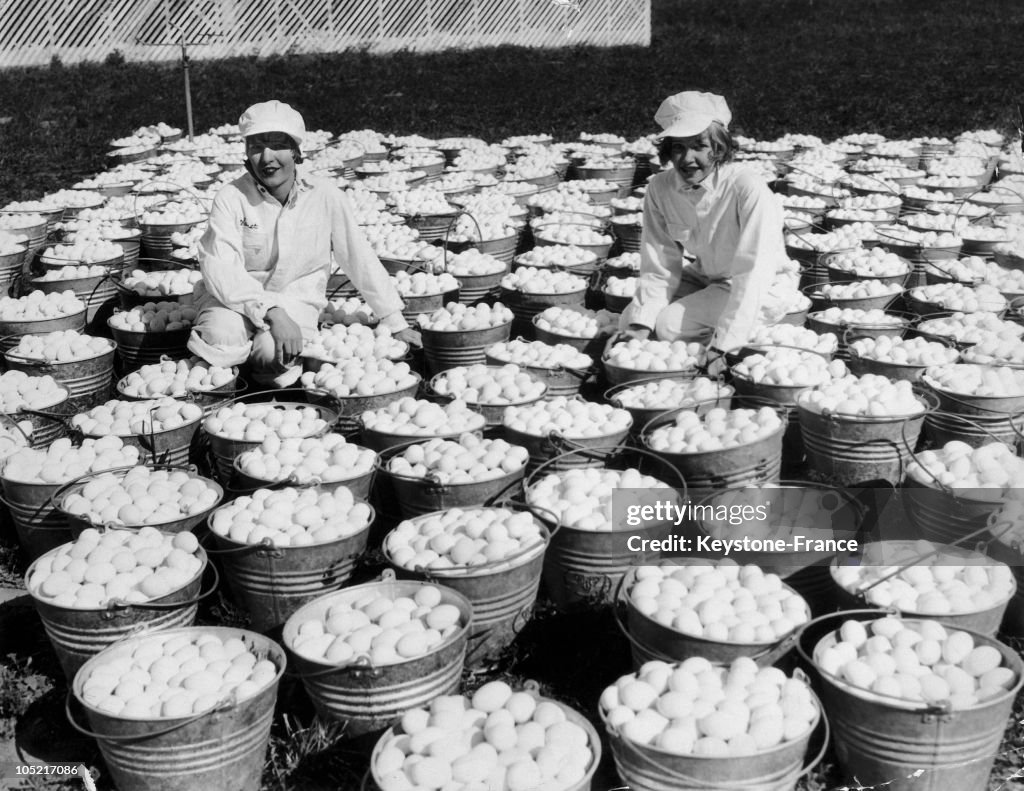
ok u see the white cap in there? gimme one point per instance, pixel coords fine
(273, 116)
(689, 113)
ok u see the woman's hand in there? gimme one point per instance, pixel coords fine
(287, 336)
(410, 336)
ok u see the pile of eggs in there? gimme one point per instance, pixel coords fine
(419, 284)
(715, 430)
(996, 350)
(165, 283)
(115, 565)
(457, 317)
(488, 384)
(556, 255)
(61, 346)
(125, 418)
(85, 252)
(496, 739)
(531, 280)
(915, 661)
(71, 273)
(576, 322)
(306, 460)
(858, 289)
(37, 306)
(942, 581)
(958, 297)
(537, 354)
(670, 393)
(696, 708)
(413, 417)
(788, 367)
(977, 380)
(655, 355)
(459, 537)
(341, 342)
(369, 623)
(971, 327)
(62, 462)
(254, 422)
(19, 391)
(989, 471)
(350, 310)
(581, 499)
(468, 459)
(292, 517)
(154, 317)
(175, 675)
(870, 395)
(722, 601)
(472, 262)
(873, 317)
(569, 417)
(140, 496)
(175, 378)
(910, 351)
(361, 376)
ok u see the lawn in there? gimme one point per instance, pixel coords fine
(823, 67)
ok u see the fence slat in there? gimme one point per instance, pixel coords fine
(32, 32)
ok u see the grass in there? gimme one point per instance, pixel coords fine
(824, 67)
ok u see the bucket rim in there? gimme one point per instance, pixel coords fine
(781, 410)
(363, 663)
(481, 404)
(118, 605)
(315, 481)
(831, 416)
(263, 644)
(42, 363)
(1009, 656)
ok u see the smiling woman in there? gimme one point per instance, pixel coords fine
(723, 216)
(267, 253)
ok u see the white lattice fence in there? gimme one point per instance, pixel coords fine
(32, 32)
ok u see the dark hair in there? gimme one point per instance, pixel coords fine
(723, 145)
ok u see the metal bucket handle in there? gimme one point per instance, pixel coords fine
(223, 705)
(448, 231)
(12, 425)
(845, 179)
(995, 523)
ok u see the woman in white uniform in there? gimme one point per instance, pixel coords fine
(266, 256)
(723, 216)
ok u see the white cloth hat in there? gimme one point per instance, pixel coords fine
(689, 113)
(273, 116)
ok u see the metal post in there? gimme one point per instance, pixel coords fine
(188, 87)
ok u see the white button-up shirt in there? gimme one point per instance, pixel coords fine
(257, 254)
(732, 223)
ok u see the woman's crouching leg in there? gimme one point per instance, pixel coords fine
(221, 336)
(694, 317)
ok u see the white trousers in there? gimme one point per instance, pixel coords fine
(692, 317)
(224, 337)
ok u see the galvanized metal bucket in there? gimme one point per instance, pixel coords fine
(272, 582)
(502, 594)
(222, 748)
(369, 698)
(79, 634)
(644, 415)
(11, 331)
(525, 305)
(450, 349)
(879, 739)
(39, 525)
(137, 349)
(46, 426)
(561, 381)
(977, 430)
(351, 407)
(853, 449)
(650, 640)
(755, 462)
(985, 621)
(584, 567)
(88, 381)
(648, 768)
(417, 496)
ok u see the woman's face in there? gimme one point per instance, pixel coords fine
(693, 157)
(271, 156)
